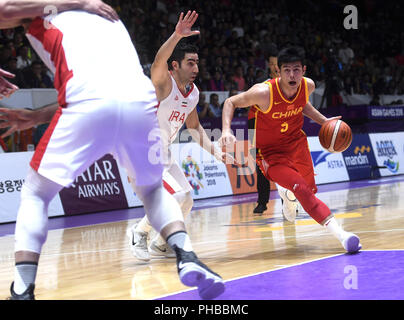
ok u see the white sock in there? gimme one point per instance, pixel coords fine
(181, 240)
(333, 226)
(24, 275)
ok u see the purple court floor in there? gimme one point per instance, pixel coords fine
(368, 275)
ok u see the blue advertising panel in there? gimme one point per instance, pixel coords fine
(360, 159)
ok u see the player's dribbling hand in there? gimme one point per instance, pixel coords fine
(333, 118)
(184, 24)
(100, 8)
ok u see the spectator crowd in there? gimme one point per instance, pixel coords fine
(237, 37)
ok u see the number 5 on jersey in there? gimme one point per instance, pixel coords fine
(284, 127)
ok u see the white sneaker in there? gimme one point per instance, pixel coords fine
(289, 204)
(163, 250)
(138, 243)
(351, 242)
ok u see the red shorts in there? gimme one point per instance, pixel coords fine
(295, 156)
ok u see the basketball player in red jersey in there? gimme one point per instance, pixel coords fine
(290, 204)
(289, 201)
(283, 153)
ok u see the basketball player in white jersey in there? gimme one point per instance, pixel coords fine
(86, 51)
(173, 72)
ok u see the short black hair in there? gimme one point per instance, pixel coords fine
(273, 53)
(180, 50)
(291, 54)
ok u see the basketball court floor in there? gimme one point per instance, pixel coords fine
(259, 257)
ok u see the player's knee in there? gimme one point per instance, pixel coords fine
(32, 222)
(30, 238)
(304, 194)
(302, 190)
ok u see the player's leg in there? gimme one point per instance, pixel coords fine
(263, 189)
(300, 159)
(138, 150)
(290, 179)
(290, 205)
(288, 199)
(139, 232)
(177, 184)
(304, 165)
(75, 138)
(31, 232)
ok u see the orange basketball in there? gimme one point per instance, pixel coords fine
(335, 135)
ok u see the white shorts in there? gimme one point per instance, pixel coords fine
(85, 131)
(174, 179)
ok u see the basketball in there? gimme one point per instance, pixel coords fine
(335, 135)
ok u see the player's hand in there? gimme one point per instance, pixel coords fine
(333, 118)
(227, 140)
(184, 24)
(100, 8)
(6, 87)
(224, 157)
(16, 120)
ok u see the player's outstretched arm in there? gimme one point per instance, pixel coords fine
(23, 119)
(159, 69)
(14, 10)
(257, 95)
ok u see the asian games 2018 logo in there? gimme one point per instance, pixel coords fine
(193, 174)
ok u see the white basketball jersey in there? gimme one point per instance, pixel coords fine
(91, 57)
(174, 110)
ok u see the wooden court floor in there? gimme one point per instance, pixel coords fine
(94, 262)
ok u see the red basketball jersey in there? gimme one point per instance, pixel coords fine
(282, 123)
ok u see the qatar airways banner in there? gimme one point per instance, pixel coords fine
(99, 188)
